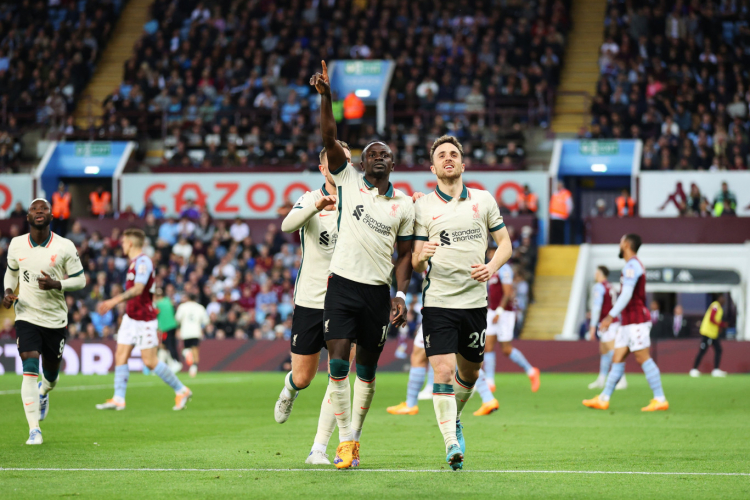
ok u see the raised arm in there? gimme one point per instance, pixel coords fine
(334, 151)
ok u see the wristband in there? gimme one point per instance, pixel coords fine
(401, 295)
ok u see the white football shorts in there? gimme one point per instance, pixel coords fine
(419, 339)
(610, 334)
(635, 337)
(138, 333)
(504, 327)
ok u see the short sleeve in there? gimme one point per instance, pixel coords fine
(73, 266)
(494, 219)
(420, 225)
(506, 275)
(143, 269)
(12, 258)
(343, 174)
(406, 227)
(598, 293)
(630, 273)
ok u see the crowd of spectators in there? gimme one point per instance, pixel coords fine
(230, 78)
(674, 74)
(48, 50)
(245, 280)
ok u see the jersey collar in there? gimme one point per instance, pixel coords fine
(323, 190)
(45, 243)
(388, 194)
(464, 194)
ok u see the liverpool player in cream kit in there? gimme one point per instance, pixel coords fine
(314, 215)
(138, 326)
(451, 232)
(41, 259)
(372, 217)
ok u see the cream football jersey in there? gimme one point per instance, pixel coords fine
(369, 225)
(461, 226)
(192, 318)
(57, 257)
(318, 238)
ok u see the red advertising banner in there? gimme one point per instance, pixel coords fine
(673, 356)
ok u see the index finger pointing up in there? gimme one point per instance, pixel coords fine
(325, 71)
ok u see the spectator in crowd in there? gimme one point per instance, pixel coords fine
(98, 202)
(725, 202)
(239, 230)
(19, 212)
(61, 201)
(560, 210)
(600, 209)
(625, 204)
(528, 202)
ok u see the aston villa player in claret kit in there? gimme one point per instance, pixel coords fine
(372, 217)
(138, 326)
(451, 231)
(37, 265)
(634, 332)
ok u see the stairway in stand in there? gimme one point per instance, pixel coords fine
(555, 268)
(109, 71)
(580, 72)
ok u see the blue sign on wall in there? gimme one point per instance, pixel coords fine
(597, 157)
(368, 79)
(97, 159)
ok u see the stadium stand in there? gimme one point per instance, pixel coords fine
(227, 85)
(673, 74)
(47, 56)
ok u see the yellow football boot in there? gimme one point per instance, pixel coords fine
(402, 409)
(655, 405)
(596, 403)
(345, 454)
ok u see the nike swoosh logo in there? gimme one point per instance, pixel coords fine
(438, 216)
(27, 404)
(326, 215)
(337, 414)
(441, 423)
(362, 190)
(464, 400)
(363, 408)
(19, 260)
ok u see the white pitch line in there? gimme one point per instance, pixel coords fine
(637, 473)
(135, 384)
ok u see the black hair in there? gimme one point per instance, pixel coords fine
(604, 271)
(634, 240)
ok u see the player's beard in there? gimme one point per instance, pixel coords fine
(449, 177)
(621, 255)
(43, 225)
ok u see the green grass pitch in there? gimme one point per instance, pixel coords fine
(229, 425)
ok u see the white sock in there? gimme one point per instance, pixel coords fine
(30, 398)
(47, 385)
(289, 390)
(340, 392)
(463, 394)
(326, 423)
(445, 411)
(363, 394)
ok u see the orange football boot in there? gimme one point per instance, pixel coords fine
(596, 403)
(402, 409)
(534, 377)
(655, 405)
(487, 408)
